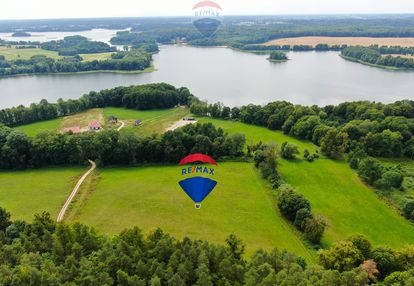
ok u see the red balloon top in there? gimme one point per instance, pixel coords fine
(197, 158)
(207, 3)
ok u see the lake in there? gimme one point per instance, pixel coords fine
(232, 77)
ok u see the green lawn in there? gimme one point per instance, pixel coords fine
(335, 192)
(150, 197)
(153, 121)
(25, 193)
(35, 128)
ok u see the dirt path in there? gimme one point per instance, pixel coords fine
(122, 125)
(180, 123)
(75, 190)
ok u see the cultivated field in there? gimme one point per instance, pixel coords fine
(25, 54)
(150, 197)
(25, 193)
(335, 192)
(350, 41)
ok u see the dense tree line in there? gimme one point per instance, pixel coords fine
(134, 60)
(149, 96)
(17, 150)
(45, 253)
(74, 45)
(380, 130)
(372, 55)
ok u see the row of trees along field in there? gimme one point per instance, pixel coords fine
(17, 150)
(45, 253)
(148, 96)
(126, 61)
(373, 55)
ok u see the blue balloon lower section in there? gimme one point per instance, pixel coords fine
(197, 188)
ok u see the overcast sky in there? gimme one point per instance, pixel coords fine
(33, 9)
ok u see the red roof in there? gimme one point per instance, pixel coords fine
(197, 158)
(94, 124)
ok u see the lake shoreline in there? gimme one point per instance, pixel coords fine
(374, 65)
(149, 69)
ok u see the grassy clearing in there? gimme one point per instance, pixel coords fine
(335, 192)
(150, 197)
(25, 193)
(349, 207)
(82, 119)
(38, 127)
(153, 121)
(25, 54)
(351, 41)
(255, 134)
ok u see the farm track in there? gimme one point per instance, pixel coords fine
(74, 192)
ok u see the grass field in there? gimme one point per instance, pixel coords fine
(25, 54)
(153, 121)
(35, 128)
(150, 197)
(351, 41)
(255, 134)
(25, 193)
(335, 192)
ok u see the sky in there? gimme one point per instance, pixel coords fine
(44, 9)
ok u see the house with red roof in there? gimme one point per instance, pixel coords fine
(94, 125)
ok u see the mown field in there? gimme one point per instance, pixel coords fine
(150, 197)
(25, 54)
(335, 192)
(153, 121)
(25, 193)
(350, 41)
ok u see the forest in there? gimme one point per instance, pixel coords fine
(75, 45)
(134, 60)
(374, 55)
(45, 253)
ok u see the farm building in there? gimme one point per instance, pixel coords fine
(137, 122)
(94, 125)
(112, 119)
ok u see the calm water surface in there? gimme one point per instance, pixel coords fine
(232, 77)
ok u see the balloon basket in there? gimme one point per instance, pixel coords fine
(197, 206)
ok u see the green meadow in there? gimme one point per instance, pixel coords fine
(33, 129)
(150, 197)
(335, 191)
(25, 193)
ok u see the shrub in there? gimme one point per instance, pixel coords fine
(291, 202)
(289, 151)
(301, 216)
(313, 229)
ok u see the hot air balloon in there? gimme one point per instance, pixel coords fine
(207, 17)
(197, 188)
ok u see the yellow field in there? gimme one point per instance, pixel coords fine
(25, 54)
(350, 41)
